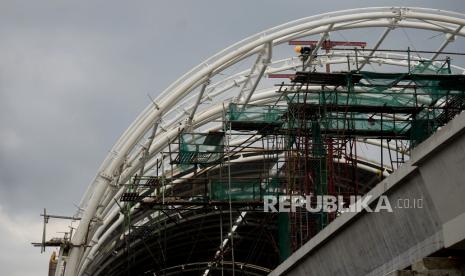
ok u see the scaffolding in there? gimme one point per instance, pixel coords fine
(306, 143)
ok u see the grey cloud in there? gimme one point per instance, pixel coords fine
(73, 76)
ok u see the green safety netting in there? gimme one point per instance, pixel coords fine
(338, 125)
(258, 114)
(425, 77)
(238, 112)
(201, 148)
(350, 98)
(243, 189)
(411, 98)
(426, 84)
(421, 129)
(430, 87)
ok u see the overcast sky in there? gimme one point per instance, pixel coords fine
(73, 76)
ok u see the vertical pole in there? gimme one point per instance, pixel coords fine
(230, 203)
(221, 241)
(381, 147)
(354, 164)
(326, 46)
(283, 233)
(408, 59)
(448, 65)
(163, 179)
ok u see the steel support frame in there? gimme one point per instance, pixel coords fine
(181, 88)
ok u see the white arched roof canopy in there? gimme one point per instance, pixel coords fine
(195, 98)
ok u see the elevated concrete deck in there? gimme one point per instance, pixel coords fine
(382, 243)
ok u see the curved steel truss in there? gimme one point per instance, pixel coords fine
(197, 99)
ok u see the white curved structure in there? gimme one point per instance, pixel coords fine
(196, 100)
